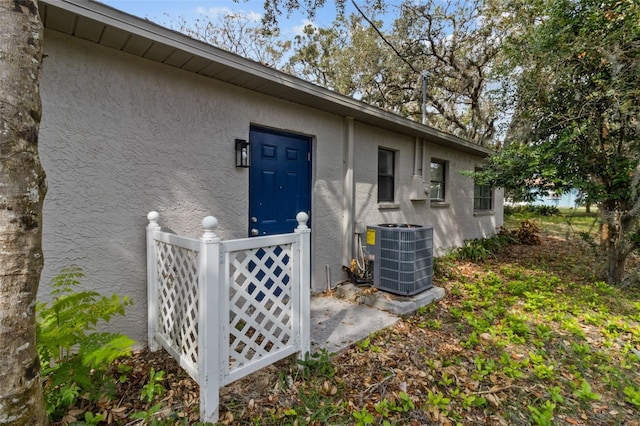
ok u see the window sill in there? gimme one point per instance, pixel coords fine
(439, 204)
(484, 213)
(388, 206)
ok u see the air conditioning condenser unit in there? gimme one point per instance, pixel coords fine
(402, 257)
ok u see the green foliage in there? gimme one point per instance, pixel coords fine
(474, 251)
(540, 368)
(534, 209)
(444, 267)
(353, 57)
(150, 392)
(511, 344)
(154, 386)
(512, 368)
(148, 416)
(576, 66)
(432, 323)
(339, 57)
(585, 393)
(483, 367)
(543, 415)
(363, 417)
(555, 393)
(93, 419)
(74, 356)
(633, 395)
(365, 345)
(402, 404)
(479, 250)
(406, 403)
(318, 364)
(438, 400)
(469, 401)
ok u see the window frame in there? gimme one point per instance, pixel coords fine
(482, 194)
(386, 178)
(442, 183)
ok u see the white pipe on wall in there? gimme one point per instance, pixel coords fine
(348, 197)
(417, 180)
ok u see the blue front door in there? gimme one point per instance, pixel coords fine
(279, 181)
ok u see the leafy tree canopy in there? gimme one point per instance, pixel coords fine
(454, 43)
(576, 123)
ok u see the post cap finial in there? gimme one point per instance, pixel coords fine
(210, 223)
(302, 219)
(153, 216)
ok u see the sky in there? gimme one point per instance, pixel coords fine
(164, 11)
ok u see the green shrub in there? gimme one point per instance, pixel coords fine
(481, 249)
(547, 210)
(74, 357)
(474, 251)
(537, 210)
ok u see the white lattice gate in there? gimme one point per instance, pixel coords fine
(225, 309)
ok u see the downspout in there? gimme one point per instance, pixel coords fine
(418, 189)
(417, 180)
(348, 193)
(417, 157)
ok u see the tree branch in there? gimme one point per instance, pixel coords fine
(384, 39)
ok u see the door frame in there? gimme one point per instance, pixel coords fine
(310, 169)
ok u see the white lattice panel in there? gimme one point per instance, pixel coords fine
(178, 299)
(251, 311)
(260, 303)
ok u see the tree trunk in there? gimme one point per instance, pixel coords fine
(22, 190)
(615, 227)
(615, 264)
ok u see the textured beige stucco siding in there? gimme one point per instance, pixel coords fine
(122, 136)
(454, 220)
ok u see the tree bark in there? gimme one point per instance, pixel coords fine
(615, 229)
(22, 190)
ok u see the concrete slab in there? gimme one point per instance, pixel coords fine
(337, 323)
(397, 305)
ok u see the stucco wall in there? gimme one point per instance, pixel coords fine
(122, 136)
(454, 220)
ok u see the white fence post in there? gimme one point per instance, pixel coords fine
(305, 283)
(212, 368)
(152, 282)
(209, 304)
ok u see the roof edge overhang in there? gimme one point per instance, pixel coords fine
(66, 16)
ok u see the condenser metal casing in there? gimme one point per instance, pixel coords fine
(402, 257)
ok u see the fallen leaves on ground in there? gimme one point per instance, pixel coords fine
(429, 368)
